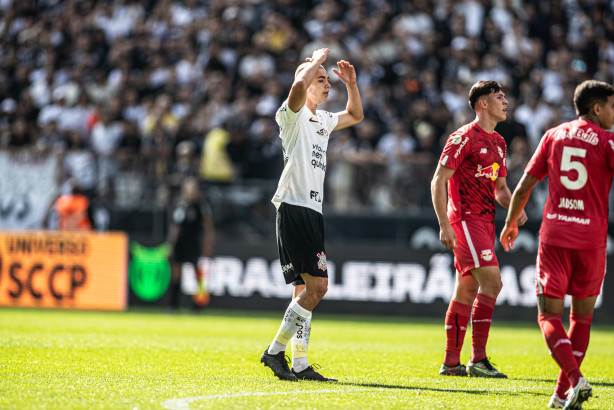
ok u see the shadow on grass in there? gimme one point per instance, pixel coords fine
(553, 381)
(531, 379)
(481, 392)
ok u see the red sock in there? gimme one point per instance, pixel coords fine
(457, 318)
(579, 334)
(481, 317)
(559, 345)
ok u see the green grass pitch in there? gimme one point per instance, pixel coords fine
(152, 360)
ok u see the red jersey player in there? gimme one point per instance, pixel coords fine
(473, 164)
(578, 158)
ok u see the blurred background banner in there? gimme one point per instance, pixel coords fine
(63, 270)
(366, 278)
(27, 187)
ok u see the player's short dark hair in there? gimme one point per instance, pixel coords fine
(589, 93)
(482, 88)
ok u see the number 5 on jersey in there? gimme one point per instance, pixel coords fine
(568, 164)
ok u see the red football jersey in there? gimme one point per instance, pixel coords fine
(578, 157)
(478, 159)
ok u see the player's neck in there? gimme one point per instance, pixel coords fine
(486, 123)
(592, 118)
(311, 106)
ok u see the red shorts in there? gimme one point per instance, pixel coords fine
(564, 271)
(476, 245)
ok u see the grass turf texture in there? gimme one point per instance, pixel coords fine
(150, 360)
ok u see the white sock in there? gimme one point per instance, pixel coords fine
(294, 318)
(300, 344)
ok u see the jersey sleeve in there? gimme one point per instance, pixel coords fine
(456, 149)
(610, 151)
(538, 165)
(332, 119)
(503, 145)
(287, 120)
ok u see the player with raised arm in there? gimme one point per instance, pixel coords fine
(473, 165)
(304, 131)
(578, 158)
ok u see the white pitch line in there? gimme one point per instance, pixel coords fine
(184, 403)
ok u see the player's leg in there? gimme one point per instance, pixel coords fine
(175, 286)
(457, 318)
(489, 279)
(314, 290)
(275, 355)
(580, 320)
(549, 319)
(300, 341)
(578, 273)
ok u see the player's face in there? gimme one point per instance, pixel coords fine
(497, 106)
(606, 114)
(319, 88)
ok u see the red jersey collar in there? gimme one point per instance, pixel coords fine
(475, 123)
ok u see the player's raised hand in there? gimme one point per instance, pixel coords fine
(346, 72)
(447, 236)
(509, 235)
(319, 55)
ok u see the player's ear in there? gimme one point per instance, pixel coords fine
(596, 109)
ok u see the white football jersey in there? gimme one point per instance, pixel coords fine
(304, 138)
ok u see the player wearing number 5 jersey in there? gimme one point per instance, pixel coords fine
(578, 158)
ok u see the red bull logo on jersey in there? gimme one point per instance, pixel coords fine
(487, 255)
(491, 171)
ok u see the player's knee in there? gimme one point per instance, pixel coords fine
(493, 287)
(320, 289)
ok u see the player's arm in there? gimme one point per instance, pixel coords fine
(503, 196)
(439, 194)
(209, 232)
(171, 239)
(353, 113)
(298, 92)
(516, 209)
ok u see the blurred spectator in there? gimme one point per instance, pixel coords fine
(184, 71)
(265, 156)
(106, 138)
(534, 114)
(73, 211)
(341, 171)
(216, 165)
(78, 165)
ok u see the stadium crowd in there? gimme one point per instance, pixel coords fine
(152, 91)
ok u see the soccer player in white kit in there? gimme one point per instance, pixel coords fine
(304, 132)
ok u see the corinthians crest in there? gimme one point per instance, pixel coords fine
(322, 261)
